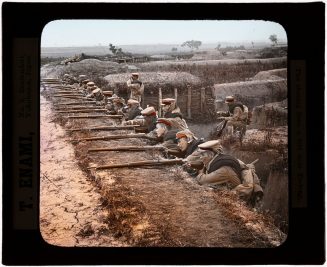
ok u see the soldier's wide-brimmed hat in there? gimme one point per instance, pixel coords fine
(90, 84)
(195, 159)
(167, 101)
(96, 90)
(108, 93)
(164, 121)
(149, 111)
(135, 74)
(214, 145)
(86, 81)
(82, 76)
(66, 75)
(184, 134)
(132, 101)
(118, 100)
(229, 99)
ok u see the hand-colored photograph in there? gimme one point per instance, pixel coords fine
(164, 133)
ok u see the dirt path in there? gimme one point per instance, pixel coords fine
(70, 210)
(130, 206)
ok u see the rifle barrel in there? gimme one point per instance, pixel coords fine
(75, 103)
(105, 128)
(83, 110)
(114, 137)
(95, 117)
(149, 163)
(127, 148)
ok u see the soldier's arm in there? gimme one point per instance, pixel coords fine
(219, 176)
(222, 113)
(140, 122)
(237, 114)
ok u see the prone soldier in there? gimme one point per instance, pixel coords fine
(223, 169)
(132, 109)
(170, 108)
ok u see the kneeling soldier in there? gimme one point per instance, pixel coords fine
(236, 117)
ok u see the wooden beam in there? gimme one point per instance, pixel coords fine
(189, 101)
(203, 98)
(159, 103)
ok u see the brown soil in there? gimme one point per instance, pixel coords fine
(133, 206)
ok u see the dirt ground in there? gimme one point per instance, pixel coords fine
(133, 206)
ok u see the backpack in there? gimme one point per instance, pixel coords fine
(249, 119)
(245, 114)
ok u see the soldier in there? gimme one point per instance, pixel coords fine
(107, 94)
(90, 86)
(147, 120)
(220, 168)
(235, 118)
(83, 87)
(117, 106)
(97, 94)
(69, 79)
(136, 87)
(187, 142)
(81, 78)
(132, 109)
(170, 109)
(165, 132)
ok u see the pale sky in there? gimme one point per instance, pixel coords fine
(63, 33)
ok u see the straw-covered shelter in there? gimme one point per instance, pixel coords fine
(253, 93)
(183, 86)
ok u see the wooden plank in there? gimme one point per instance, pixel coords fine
(175, 94)
(189, 101)
(159, 102)
(203, 98)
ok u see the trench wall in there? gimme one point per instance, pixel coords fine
(219, 71)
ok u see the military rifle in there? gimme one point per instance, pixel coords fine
(105, 128)
(127, 148)
(145, 163)
(114, 137)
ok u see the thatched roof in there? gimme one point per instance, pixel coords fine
(253, 93)
(156, 78)
(92, 63)
(214, 62)
(271, 74)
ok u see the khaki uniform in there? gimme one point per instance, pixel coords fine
(250, 187)
(147, 119)
(137, 89)
(224, 175)
(96, 94)
(221, 169)
(236, 119)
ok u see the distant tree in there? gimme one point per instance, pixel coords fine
(252, 44)
(273, 39)
(174, 49)
(218, 47)
(192, 44)
(115, 50)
